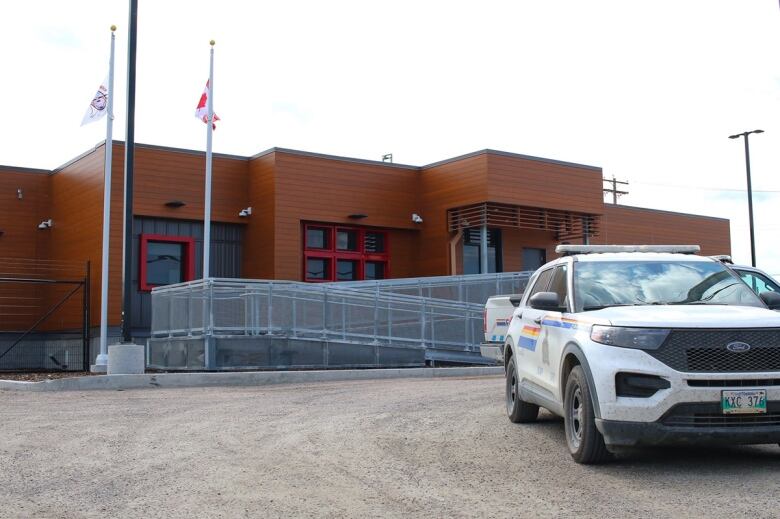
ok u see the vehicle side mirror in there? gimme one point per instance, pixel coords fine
(771, 299)
(545, 301)
(516, 299)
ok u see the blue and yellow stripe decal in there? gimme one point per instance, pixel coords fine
(562, 322)
(528, 337)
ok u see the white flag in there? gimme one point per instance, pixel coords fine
(99, 105)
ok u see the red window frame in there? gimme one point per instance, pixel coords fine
(189, 257)
(334, 255)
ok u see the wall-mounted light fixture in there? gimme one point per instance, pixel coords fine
(416, 218)
(245, 212)
(19, 193)
(175, 204)
(387, 157)
(45, 224)
(357, 216)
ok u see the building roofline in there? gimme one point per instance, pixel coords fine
(33, 171)
(313, 155)
(185, 151)
(663, 211)
(79, 157)
(332, 157)
(487, 151)
(150, 147)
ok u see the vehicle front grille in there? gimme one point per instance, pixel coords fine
(705, 350)
(753, 382)
(710, 415)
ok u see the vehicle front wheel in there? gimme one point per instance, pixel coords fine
(518, 410)
(585, 442)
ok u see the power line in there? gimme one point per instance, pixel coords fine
(703, 188)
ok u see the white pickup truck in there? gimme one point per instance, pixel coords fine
(640, 345)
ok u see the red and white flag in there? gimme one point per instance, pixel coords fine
(202, 111)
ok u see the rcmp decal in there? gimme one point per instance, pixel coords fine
(529, 336)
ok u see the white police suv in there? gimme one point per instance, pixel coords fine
(644, 345)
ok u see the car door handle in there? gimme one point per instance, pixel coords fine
(538, 320)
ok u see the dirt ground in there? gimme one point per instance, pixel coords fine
(389, 448)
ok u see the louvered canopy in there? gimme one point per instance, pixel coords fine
(565, 224)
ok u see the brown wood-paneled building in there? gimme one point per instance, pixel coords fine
(320, 218)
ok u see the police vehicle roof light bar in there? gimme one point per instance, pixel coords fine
(568, 250)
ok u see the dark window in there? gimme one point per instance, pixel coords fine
(470, 259)
(165, 260)
(347, 240)
(317, 238)
(375, 242)
(318, 268)
(164, 263)
(374, 270)
(346, 270)
(533, 258)
(471, 251)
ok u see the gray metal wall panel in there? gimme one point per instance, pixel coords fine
(226, 245)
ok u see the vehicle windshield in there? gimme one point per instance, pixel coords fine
(600, 284)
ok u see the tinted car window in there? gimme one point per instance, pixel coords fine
(541, 283)
(558, 285)
(758, 283)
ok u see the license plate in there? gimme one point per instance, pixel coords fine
(743, 402)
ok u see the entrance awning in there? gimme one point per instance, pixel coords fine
(565, 224)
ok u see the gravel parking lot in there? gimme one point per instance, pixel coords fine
(391, 448)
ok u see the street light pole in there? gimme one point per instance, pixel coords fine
(749, 191)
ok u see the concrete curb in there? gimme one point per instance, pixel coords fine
(247, 378)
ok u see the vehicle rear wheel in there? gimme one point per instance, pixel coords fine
(518, 410)
(585, 442)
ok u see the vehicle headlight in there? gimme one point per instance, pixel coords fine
(638, 338)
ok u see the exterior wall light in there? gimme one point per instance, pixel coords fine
(245, 212)
(45, 224)
(416, 218)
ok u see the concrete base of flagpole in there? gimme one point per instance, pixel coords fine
(100, 365)
(126, 359)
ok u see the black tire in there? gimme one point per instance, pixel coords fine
(585, 442)
(518, 410)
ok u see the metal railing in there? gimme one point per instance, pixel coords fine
(439, 315)
(471, 288)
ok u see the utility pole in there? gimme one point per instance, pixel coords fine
(614, 189)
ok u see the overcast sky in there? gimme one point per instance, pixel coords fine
(647, 90)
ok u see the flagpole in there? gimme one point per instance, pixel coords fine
(209, 131)
(101, 362)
